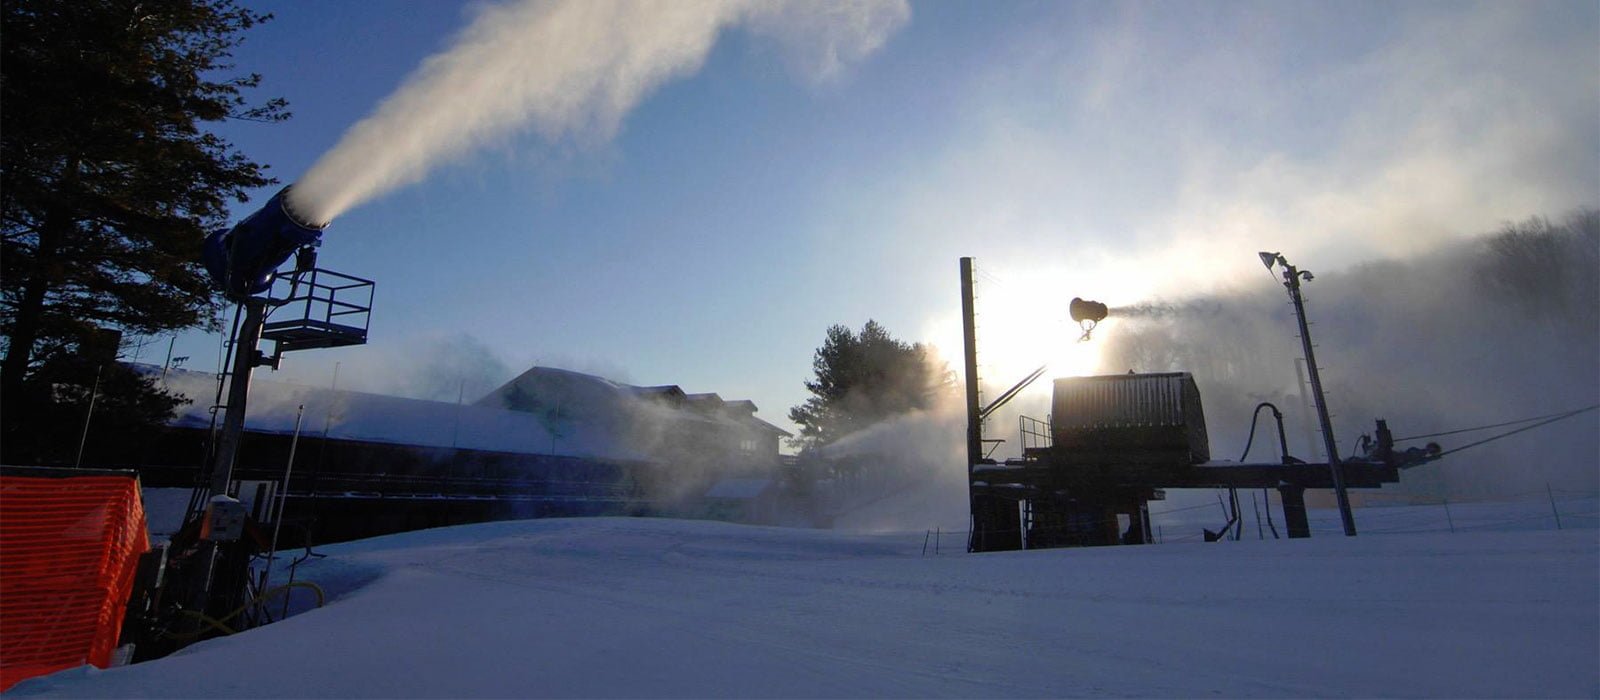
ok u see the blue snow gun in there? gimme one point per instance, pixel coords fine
(243, 260)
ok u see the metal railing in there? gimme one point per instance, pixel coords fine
(319, 308)
(1033, 433)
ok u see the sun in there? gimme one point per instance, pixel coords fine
(1023, 323)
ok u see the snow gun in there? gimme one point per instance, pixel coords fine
(208, 578)
(243, 260)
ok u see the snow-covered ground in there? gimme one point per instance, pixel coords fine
(655, 607)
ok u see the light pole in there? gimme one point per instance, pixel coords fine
(1291, 282)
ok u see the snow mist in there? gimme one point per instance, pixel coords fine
(567, 69)
(1483, 330)
(909, 473)
(1476, 332)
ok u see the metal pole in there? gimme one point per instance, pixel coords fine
(1553, 510)
(93, 395)
(283, 500)
(1306, 409)
(1238, 515)
(969, 341)
(969, 336)
(165, 366)
(244, 361)
(1291, 279)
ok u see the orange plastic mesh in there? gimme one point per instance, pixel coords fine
(69, 548)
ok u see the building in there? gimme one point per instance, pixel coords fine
(550, 442)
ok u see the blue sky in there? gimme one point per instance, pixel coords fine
(1114, 151)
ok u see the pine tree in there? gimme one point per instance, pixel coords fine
(108, 180)
(862, 379)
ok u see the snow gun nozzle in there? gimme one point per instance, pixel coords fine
(1083, 310)
(243, 260)
(1088, 314)
(286, 202)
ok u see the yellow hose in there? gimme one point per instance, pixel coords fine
(222, 624)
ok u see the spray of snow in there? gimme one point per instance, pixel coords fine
(1477, 331)
(905, 473)
(569, 69)
(1472, 333)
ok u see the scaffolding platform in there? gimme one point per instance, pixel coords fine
(318, 308)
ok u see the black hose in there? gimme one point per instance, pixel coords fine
(1283, 452)
(1255, 417)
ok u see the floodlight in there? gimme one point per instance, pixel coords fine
(1269, 259)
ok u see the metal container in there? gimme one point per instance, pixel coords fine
(1131, 418)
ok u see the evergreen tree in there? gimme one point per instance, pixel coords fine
(108, 182)
(862, 379)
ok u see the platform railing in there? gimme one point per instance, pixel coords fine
(1033, 433)
(319, 308)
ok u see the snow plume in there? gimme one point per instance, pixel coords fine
(567, 69)
(688, 466)
(1158, 310)
(1475, 332)
(906, 473)
(431, 366)
(457, 367)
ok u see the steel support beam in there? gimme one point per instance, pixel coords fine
(245, 359)
(1294, 511)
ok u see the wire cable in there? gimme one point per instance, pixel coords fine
(1518, 430)
(1562, 414)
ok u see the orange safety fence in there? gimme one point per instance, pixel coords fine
(69, 549)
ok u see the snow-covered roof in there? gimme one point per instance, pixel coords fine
(352, 415)
(705, 400)
(567, 393)
(543, 411)
(670, 393)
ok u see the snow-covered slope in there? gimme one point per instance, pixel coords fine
(652, 607)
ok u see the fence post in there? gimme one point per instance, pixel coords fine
(1448, 518)
(925, 535)
(936, 534)
(1553, 510)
